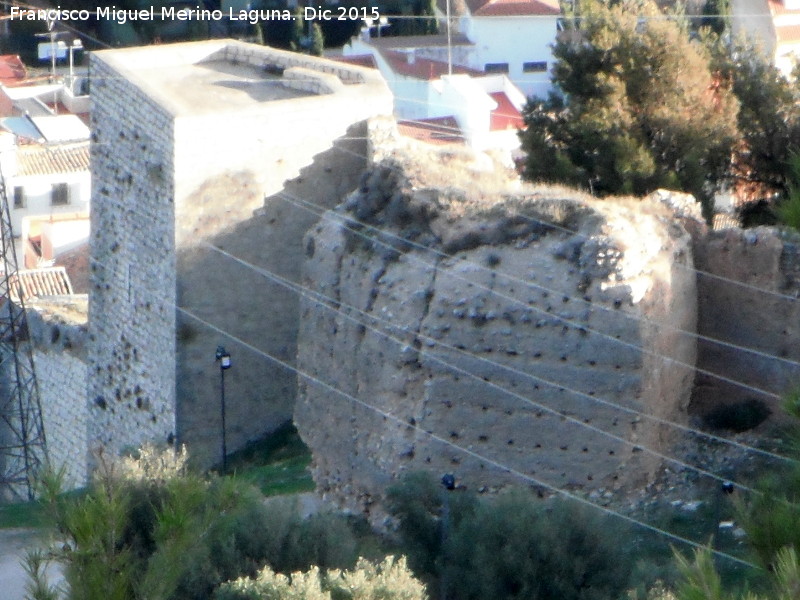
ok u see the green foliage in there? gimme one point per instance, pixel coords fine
(325, 540)
(791, 402)
(644, 108)
(788, 209)
(417, 504)
(715, 15)
(389, 580)
(771, 519)
(424, 25)
(511, 547)
(277, 464)
(768, 116)
(317, 43)
(517, 547)
(148, 529)
(701, 580)
(38, 587)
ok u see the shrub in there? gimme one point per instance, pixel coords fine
(389, 580)
(518, 547)
(417, 505)
(512, 546)
(148, 529)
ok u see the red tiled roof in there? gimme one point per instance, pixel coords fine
(360, 60)
(12, 71)
(512, 8)
(50, 281)
(788, 33)
(35, 159)
(422, 68)
(420, 41)
(501, 8)
(777, 8)
(442, 130)
(506, 115)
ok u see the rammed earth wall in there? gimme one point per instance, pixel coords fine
(516, 348)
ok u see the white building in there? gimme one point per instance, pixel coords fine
(43, 180)
(774, 25)
(486, 108)
(510, 37)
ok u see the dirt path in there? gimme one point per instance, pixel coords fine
(13, 545)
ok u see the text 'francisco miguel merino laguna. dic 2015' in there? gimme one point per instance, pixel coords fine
(252, 16)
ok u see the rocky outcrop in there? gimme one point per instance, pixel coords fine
(480, 332)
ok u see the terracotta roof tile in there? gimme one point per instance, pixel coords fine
(51, 281)
(442, 130)
(360, 60)
(422, 68)
(38, 159)
(12, 70)
(788, 33)
(725, 221)
(420, 41)
(777, 8)
(501, 8)
(506, 115)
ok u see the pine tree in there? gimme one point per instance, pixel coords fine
(317, 40)
(642, 108)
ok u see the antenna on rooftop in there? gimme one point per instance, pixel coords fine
(23, 450)
(449, 42)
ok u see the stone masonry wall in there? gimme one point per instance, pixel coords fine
(168, 180)
(58, 338)
(132, 295)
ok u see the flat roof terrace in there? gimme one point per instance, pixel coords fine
(218, 76)
(218, 84)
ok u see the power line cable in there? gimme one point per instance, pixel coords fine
(326, 302)
(680, 265)
(467, 451)
(644, 319)
(347, 221)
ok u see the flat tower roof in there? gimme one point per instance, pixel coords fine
(217, 76)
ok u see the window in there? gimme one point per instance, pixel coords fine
(496, 68)
(60, 195)
(19, 197)
(534, 67)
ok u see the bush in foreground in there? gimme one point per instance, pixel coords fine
(513, 546)
(389, 580)
(148, 529)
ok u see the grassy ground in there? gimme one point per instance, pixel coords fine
(277, 464)
(22, 514)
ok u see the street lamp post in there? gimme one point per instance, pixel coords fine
(449, 483)
(224, 360)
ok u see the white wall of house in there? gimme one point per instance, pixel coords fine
(62, 236)
(38, 196)
(515, 41)
(411, 95)
(469, 104)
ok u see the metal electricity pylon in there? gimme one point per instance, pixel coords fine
(23, 450)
